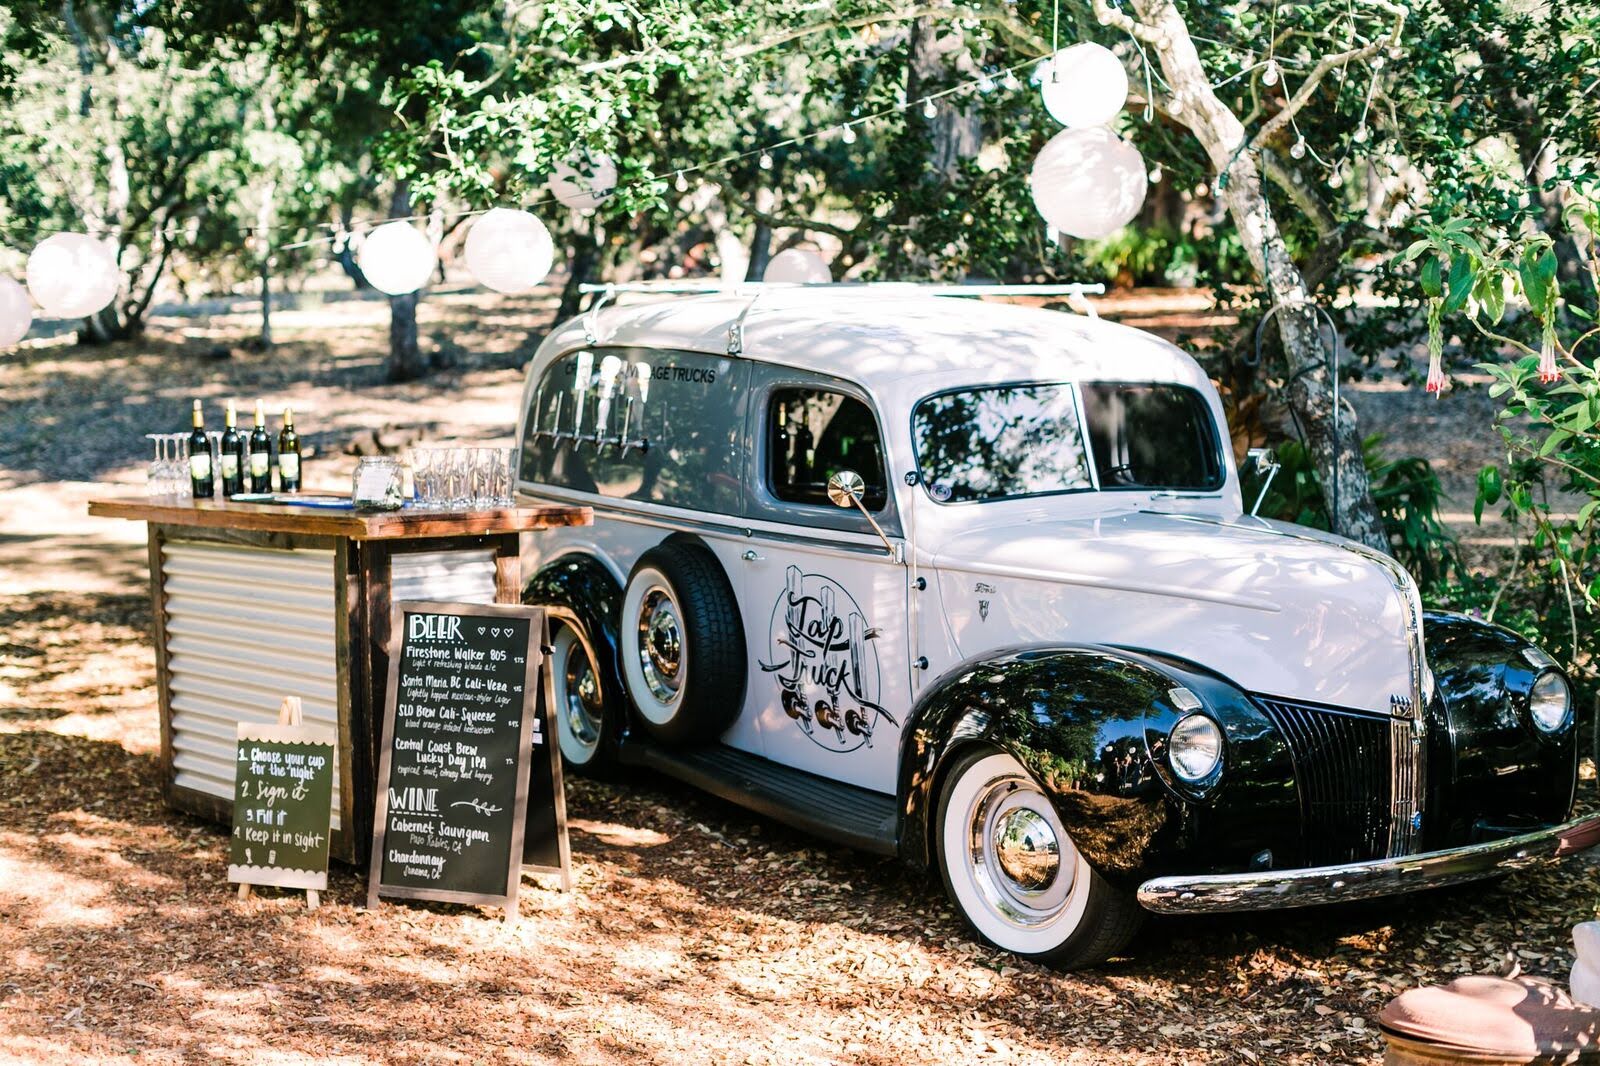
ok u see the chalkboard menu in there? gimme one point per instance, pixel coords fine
(461, 718)
(282, 806)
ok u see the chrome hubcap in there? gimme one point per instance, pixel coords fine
(660, 636)
(1023, 864)
(1026, 851)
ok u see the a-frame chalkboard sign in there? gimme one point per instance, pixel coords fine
(464, 730)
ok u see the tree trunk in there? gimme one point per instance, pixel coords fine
(956, 130)
(406, 361)
(1332, 438)
(585, 256)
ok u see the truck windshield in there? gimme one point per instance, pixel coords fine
(1010, 441)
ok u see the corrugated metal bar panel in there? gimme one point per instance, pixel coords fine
(246, 627)
(461, 576)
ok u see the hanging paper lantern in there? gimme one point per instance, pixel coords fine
(1084, 85)
(16, 313)
(798, 265)
(1088, 183)
(509, 251)
(397, 258)
(72, 275)
(583, 182)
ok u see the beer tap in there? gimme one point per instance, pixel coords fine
(638, 387)
(580, 389)
(610, 376)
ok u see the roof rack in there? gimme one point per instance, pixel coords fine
(608, 291)
(682, 288)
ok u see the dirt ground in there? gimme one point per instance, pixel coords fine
(695, 932)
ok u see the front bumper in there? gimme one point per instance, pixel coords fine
(1274, 889)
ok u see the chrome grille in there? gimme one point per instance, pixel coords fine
(1405, 787)
(1358, 776)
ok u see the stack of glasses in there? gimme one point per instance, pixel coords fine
(167, 476)
(462, 479)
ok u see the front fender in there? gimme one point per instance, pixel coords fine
(579, 587)
(1090, 724)
(1491, 768)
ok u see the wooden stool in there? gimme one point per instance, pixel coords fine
(1490, 1020)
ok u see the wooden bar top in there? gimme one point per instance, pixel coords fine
(330, 522)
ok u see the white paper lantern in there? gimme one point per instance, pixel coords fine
(1084, 85)
(16, 312)
(1088, 183)
(397, 258)
(798, 265)
(72, 275)
(509, 251)
(583, 182)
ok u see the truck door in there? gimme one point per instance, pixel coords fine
(823, 599)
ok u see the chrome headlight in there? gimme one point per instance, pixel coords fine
(1550, 702)
(1194, 748)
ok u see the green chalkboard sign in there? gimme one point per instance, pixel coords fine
(460, 718)
(282, 806)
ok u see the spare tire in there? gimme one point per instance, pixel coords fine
(681, 642)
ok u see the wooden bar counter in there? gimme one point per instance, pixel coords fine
(255, 602)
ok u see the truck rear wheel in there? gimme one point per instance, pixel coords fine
(682, 644)
(1012, 871)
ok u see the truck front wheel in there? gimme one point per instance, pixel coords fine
(1012, 871)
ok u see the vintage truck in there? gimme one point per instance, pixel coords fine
(974, 584)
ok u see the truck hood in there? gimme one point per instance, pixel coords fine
(1278, 609)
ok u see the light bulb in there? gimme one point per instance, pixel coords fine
(1155, 175)
(682, 184)
(1360, 135)
(929, 110)
(766, 161)
(1335, 180)
(849, 134)
(986, 84)
(1175, 106)
(1010, 81)
(1298, 148)
(1270, 75)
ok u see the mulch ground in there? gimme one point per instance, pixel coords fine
(695, 932)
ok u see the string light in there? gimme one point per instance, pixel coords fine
(1298, 149)
(929, 109)
(766, 161)
(1155, 174)
(1269, 76)
(682, 184)
(849, 134)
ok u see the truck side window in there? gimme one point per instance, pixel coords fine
(668, 424)
(813, 434)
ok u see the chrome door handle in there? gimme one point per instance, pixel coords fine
(751, 556)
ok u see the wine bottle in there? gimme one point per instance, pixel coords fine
(201, 478)
(260, 454)
(233, 458)
(288, 454)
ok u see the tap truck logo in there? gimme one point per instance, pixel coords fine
(825, 662)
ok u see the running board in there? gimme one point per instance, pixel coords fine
(845, 814)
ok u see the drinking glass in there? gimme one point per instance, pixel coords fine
(506, 477)
(155, 475)
(458, 478)
(423, 474)
(178, 466)
(483, 481)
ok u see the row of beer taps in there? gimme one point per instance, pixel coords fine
(631, 379)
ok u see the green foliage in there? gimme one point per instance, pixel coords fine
(1407, 493)
(1162, 254)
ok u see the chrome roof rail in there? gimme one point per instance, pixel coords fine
(668, 287)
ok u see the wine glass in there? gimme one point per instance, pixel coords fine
(155, 474)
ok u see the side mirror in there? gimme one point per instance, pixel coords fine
(1267, 464)
(845, 489)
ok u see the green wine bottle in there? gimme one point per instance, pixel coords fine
(260, 454)
(288, 454)
(201, 479)
(233, 459)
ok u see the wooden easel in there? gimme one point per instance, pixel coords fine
(289, 713)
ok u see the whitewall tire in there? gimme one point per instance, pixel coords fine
(1013, 872)
(579, 698)
(681, 644)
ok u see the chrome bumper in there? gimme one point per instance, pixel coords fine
(1273, 889)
